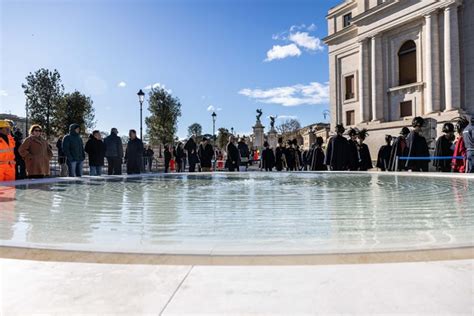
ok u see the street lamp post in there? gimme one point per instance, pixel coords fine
(141, 98)
(214, 128)
(232, 130)
(26, 118)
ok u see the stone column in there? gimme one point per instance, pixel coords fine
(364, 101)
(377, 78)
(452, 72)
(432, 103)
(272, 138)
(259, 135)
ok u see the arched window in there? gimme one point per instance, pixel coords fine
(407, 63)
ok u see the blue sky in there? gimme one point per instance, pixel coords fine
(235, 56)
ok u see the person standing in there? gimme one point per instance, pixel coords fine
(37, 154)
(73, 149)
(148, 156)
(63, 171)
(232, 155)
(459, 161)
(444, 148)
(417, 147)
(383, 157)
(206, 154)
(365, 161)
(95, 148)
(291, 156)
(353, 159)
(337, 152)
(134, 153)
(468, 137)
(280, 159)
(167, 155)
(317, 155)
(244, 153)
(268, 157)
(113, 152)
(399, 149)
(7, 153)
(191, 149)
(179, 157)
(20, 170)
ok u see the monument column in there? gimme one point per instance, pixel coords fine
(432, 103)
(452, 72)
(363, 82)
(377, 78)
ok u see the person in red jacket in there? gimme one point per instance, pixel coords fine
(458, 164)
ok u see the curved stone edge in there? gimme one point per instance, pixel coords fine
(245, 260)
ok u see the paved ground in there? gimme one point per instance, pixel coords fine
(429, 288)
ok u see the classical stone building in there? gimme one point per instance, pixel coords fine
(391, 60)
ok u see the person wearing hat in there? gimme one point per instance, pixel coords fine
(337, 152)
(280, 159)
(290, 156)
(460, 165)
(73, 149)
(7, 153)
(417, 147)
(353, 163)
(468, 137)
(206, 154)
(365, 161)
(383, 157)
(444, 148)
(37, 153)
(399, 149)
(113, 152)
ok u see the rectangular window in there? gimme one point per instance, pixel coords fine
(349, 87)
(347, 19)
(406, 109)
(350, 117)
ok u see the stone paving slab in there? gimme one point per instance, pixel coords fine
(62, 288)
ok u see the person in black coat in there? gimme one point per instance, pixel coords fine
(383, 157)
(399, 149)
(134, 153)
(417, 147)
(95, 148)
(191, 149)
(206, 154)
(114, 152)
(353, 158)
(232, 155)
(290, 156)
(20, 162)
(280, 159)
(268, 157)
(244, 152)
(167, 155)
(444, 148)
(365, 161)
(179, 156)
(317, 155)
(337, 152)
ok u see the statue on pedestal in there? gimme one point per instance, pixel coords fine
(259, 115)
(272, 122)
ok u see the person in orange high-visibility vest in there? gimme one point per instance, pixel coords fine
(7, 153)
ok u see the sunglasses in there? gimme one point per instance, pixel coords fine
(37, 130)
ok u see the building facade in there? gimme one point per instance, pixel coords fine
(392, 60)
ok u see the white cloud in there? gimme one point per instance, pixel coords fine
(313, 93)
(303, 39)
(212, 108)
(3, 93)
(280, 52)
(287, 117)
(154, 85)
(122, 84)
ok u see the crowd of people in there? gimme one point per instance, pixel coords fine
(30, 158)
